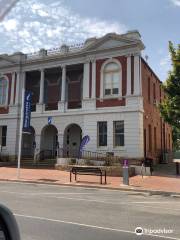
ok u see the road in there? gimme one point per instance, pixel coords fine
(47, 212)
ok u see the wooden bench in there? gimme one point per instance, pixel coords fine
(177, 161)
(86, 170)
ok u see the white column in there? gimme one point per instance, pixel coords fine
(93, 95)
(63, 88)
(12, 88)
(37, 148)
(61, 139)
(17, 87)
(41, 95)
(137, 87)
(128, 75)
(22, 84)
(86, 80)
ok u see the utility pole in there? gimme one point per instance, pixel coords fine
(5, 7)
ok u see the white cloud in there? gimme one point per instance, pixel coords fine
(176, 2)
(165, 61)
(10, 24)
(164, 66)
(32, 25)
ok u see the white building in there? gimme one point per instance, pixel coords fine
(93, 89)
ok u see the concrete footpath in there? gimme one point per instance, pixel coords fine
(157, 184)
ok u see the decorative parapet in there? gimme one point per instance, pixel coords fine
(56, 51)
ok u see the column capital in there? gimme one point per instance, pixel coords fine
(137, 54)
(128, 55)
(41, 69)
(63, 65)
(89, 59)
(93, 59)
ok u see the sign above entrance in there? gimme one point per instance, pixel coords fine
(49, 120)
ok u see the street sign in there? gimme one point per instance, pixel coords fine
(49, 120)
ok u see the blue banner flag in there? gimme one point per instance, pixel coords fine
(27, 111)
(84, 142)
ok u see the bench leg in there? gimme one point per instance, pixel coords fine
(177, 168)
(75, 176)
(70, 176)
(101, 178)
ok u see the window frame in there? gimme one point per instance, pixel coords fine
(98, 134)
(149, 138)
(149, 90)
(3, 136)
(102, 81)
(4, 77)
(119, 134)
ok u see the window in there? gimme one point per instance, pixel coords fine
(155, 139)
(102, 134)
(3, 90)
(119, 133)
(111, 79)
(169, 141)
(160, 93)
(3, 137)
(154, 91)
(150, 138)
(149, 91)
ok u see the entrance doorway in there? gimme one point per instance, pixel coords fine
(72, 140)
(28, 142)
(49, 141)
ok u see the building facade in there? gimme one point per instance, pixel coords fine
(102, 88)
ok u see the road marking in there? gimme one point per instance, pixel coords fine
(73, 187)
(45, 193)
(90, 226)
(95, 200)
(119, 203)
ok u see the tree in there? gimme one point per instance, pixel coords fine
(170, 107)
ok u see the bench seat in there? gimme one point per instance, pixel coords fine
(86, 170)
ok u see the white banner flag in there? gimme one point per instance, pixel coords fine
(5, 7)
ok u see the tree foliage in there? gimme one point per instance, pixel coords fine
(170, 107)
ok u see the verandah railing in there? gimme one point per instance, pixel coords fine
(107, 158)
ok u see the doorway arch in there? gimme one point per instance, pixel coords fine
(49, 141)
(72, 139)
(28, 143)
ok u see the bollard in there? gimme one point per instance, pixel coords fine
(125, 172)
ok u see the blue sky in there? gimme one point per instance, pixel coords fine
(34, 24)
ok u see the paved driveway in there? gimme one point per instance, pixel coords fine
(47, 212)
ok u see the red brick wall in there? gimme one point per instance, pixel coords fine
(2, 109)
(111, 102)
(152, 115)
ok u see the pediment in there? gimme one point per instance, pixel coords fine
(111, 42)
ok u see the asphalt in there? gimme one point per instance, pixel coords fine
(47, 212)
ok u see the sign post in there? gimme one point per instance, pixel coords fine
(25, 119)
(125, 172)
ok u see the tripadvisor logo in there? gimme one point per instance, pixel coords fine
(139, 231)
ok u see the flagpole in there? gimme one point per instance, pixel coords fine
(20, 133)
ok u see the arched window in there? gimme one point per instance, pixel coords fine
(111, 75)
(3, 90)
